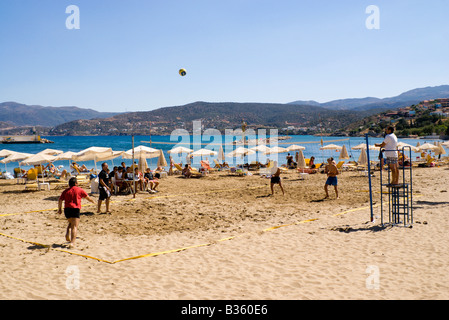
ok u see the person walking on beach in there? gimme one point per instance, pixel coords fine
(332, 172)
(390, 144)
(276, 179)
(103, 187)
(72, 207)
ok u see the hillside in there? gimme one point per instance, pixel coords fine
(220, 116)
(423, 119)
(370, 103)
(17, 114)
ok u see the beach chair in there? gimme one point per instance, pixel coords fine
(340, 165)
(206, 166)
(217, 164)
(31, 179)
(19, 176)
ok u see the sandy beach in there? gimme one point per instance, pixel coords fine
(323, 249)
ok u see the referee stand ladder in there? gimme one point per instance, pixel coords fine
(400, 196)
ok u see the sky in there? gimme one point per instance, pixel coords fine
(125, 56)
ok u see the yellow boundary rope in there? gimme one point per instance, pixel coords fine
(174, 250)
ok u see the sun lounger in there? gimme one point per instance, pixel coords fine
(206, 166)
(254, 165)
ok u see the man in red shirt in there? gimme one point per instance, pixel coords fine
(72, 207)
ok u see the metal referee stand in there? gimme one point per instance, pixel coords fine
(400, 196)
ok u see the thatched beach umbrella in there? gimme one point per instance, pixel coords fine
(428, 146)
(143, 164)
(301, 160)
(363, 158)
(221, 155)
(161, 162)
(344, 153)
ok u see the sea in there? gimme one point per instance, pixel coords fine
(312, 146)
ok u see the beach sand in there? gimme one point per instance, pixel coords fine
(324, 249)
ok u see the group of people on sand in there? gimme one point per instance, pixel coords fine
(389, 146)
(123, 177)
(72, 196)
(330, 169)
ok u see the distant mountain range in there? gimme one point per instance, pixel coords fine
(220, 116)
(369, 103)
(17, 114)
(330, 116)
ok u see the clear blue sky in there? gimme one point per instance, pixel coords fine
(126, 55)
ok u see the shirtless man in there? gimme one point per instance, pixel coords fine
(332, 172)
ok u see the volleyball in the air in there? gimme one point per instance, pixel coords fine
(182, 72)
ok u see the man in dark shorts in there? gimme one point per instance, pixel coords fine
(103, 188)
(72, 207)
(276, 179)
(332, 172)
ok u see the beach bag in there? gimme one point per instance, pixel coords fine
(94, 185)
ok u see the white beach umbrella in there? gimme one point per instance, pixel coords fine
(260, 148)
(65, 156)
(363, 146)
(359, 147)
(295, 147)
(52, 152)
(178, 150)
(38, 159)
(114, 155)
(331, 147)
(203, 152)
(6, 153)
(241, 152)
(144, 151)
(16, 157)
(93, 153)
(276, 150)
(406, 146)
